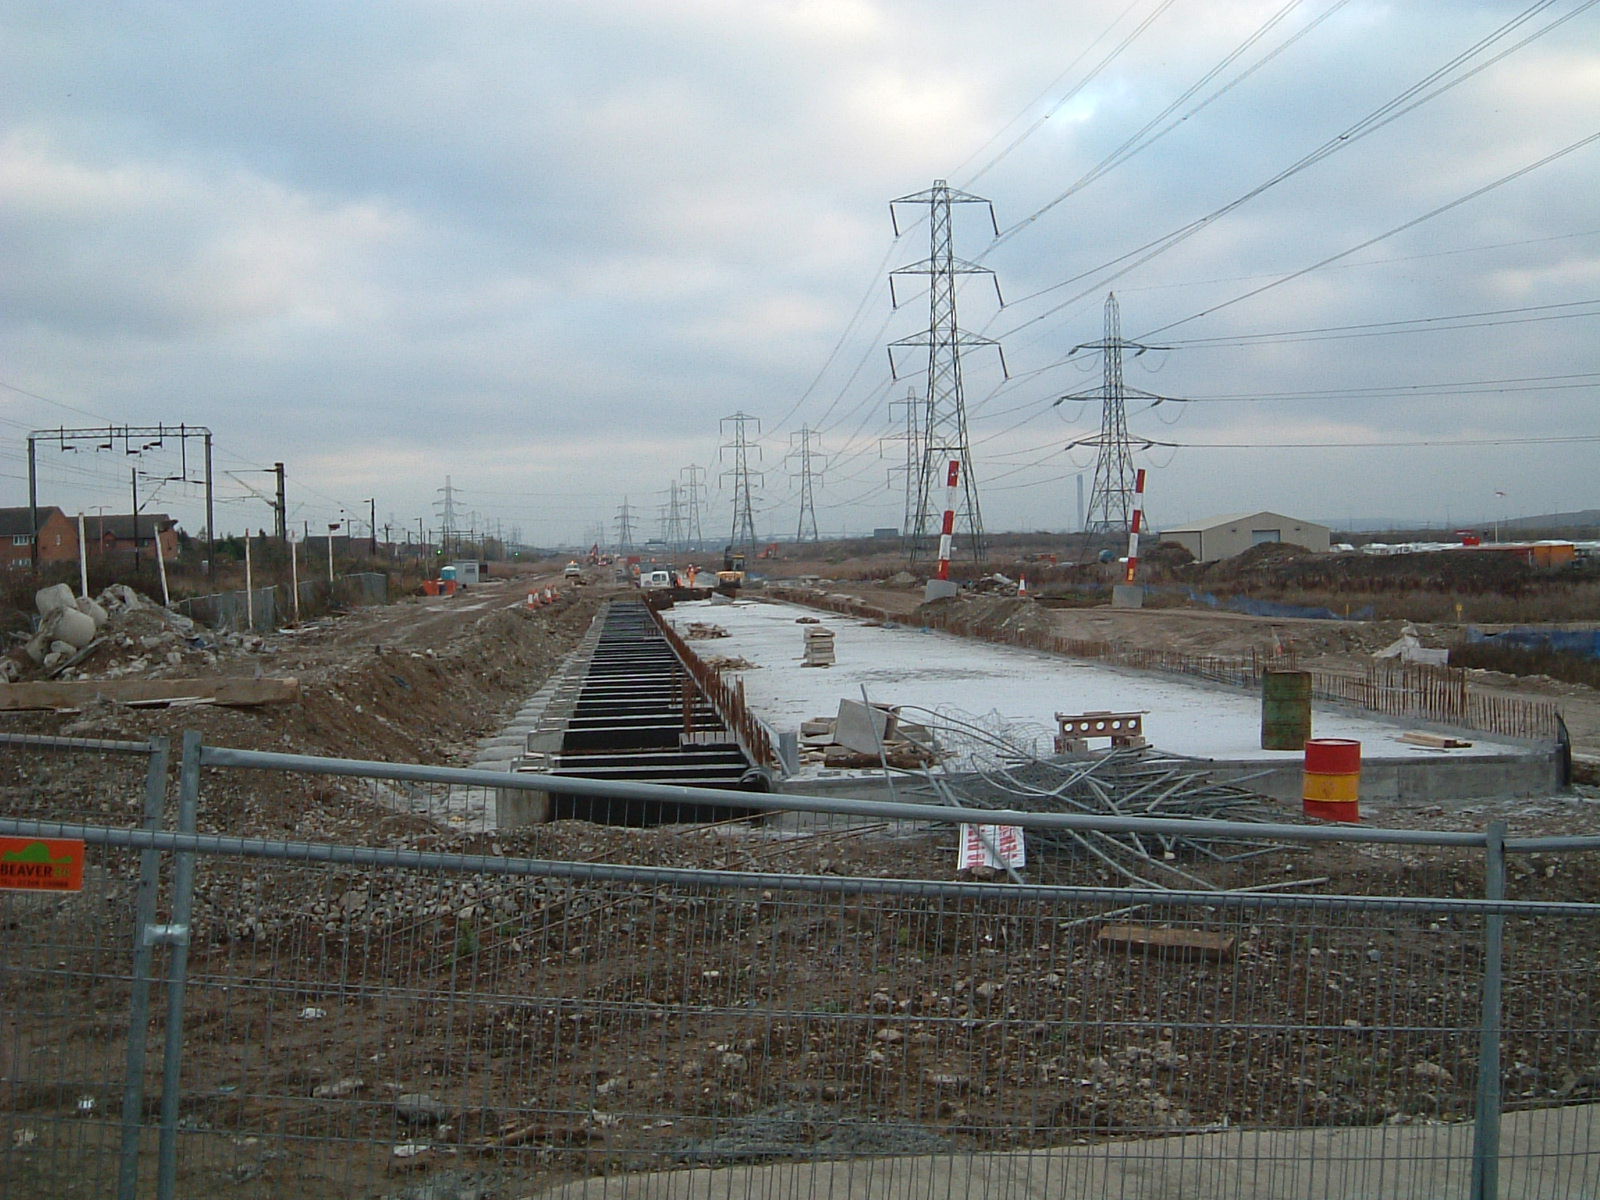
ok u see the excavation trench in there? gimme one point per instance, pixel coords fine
(628, 709)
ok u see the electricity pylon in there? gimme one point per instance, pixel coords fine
(1111, 499)
(744, 521)
(944, 416)
(624, 524)
(811, 464)
(672, 522)
(913, 456)
(694, 489)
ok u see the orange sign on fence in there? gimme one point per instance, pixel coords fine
(41, 864)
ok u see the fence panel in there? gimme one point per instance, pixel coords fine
(76, 988)
(67, 972)
(366, 1020)
(256, 609)
(343, 1023)
(1550, 1044)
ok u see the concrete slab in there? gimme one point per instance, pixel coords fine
(1553, 1154)
(1024, 689)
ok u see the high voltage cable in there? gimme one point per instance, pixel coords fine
(876, 282)
(1128, 149)
(1371, 262)
(1072, 92)
(1407, 325)
(1470, 387)
(1372, 241)
(1569, 439)
(82, 412)
(1060, 103)
(1398, 106)
(1387, 328)
(1554, 440)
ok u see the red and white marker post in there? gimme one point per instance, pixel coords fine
(947, 534)
(1135, 525)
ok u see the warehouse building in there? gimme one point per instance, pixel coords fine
(1223, 537)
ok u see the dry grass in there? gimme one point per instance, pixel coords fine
(1570, 668)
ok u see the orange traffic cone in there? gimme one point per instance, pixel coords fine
(1022, 588)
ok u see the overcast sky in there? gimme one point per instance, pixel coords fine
(542, 249)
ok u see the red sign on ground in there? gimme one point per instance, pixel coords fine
(41, 864)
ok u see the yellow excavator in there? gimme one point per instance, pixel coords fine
(731, 578)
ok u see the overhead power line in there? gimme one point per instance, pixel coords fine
(1389, 328)
(1406, 101)
(1554, 440)
(1138, 142)
(1076, 89)
(1373, 241)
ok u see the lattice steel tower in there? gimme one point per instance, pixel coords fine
(744, 521)
(909, 470)
(943, 427)
(672, 519)
(811, 464)
(694, 490)
(624, 523)
(1111, 502)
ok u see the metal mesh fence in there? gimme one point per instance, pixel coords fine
(66, 993)
(76, 993)
(374, 1021)
(559, 1030)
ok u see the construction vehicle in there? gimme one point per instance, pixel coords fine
(770, 552)
(731, 578)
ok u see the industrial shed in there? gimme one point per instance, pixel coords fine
(1223, 537)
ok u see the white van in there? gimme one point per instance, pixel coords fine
(650, 580)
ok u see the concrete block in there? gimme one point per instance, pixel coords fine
(863, 729)
(1127, 595)
(53, 599)
(517, 809)
(939, 589)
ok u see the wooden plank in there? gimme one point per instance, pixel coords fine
(1182, 944)
(1437, 741)
(78, 692)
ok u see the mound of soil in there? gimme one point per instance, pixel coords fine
(1269, 558)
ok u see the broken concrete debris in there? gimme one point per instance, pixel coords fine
(730, 662)
(124, 648)
(864, 728)
(67, 624)
(847, 741)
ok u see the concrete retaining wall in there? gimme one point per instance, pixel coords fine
(1411, 780)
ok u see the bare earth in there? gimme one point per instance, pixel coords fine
(423, 679)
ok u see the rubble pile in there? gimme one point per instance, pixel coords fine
(860, 737)
(117, 634)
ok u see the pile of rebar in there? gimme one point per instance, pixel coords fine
(1123, 782)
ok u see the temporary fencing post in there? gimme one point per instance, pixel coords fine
(155, 794)
(1486, 1131)
(176, 934)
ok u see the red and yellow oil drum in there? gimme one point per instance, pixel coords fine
(1332, 788)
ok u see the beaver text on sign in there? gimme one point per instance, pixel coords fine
(41, 864)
